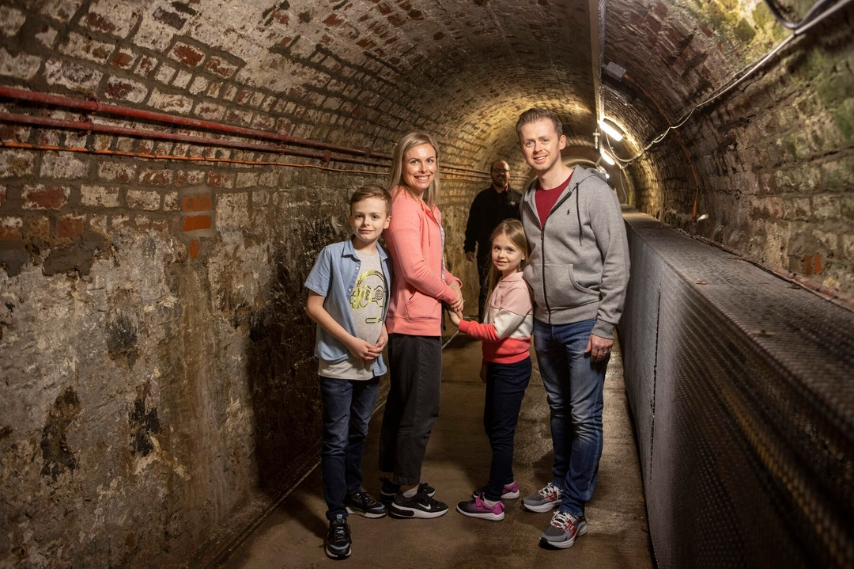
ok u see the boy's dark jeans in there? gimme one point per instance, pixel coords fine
(505, 388)
(347, 408)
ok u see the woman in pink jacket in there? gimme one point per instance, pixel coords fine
(420, 283)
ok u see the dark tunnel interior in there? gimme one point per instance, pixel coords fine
(170, 169)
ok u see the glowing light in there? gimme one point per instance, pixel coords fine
(607, 157)
(611, 131)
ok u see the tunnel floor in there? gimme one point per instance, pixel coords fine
(457, 461)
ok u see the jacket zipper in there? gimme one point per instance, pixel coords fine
(543, 243)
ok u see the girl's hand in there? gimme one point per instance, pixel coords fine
(483, 372)
(455, 318)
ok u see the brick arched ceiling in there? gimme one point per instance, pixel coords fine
(360, 72)
(461, 68)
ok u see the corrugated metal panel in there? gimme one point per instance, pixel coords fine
(639, 344)
(752, 453)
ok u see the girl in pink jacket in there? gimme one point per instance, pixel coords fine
(420, 283)
(506, 336)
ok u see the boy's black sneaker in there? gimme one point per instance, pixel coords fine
(338, 538)
(422, 505)
(390, 489)
(363, 504)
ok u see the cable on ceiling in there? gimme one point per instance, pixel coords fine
(813, 18)
(778, 15)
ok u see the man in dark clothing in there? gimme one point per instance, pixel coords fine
(489, 208)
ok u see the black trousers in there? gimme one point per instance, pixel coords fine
(412, 406)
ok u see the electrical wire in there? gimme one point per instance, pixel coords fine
(775, 10)
(804, 25)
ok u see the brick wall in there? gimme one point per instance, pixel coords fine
(773, 156)
(158, 362)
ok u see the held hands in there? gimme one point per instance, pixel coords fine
(599, 348)
(456, 318)
(469, 256)
(457, 305)
(365, 351)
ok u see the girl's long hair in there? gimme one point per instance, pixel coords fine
(395, 178)
(513, 230)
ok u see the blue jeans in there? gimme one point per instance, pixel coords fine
(574, 389)
(505, 388)
(347, 408)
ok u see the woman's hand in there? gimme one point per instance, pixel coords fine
(483, 372)
(459, 303)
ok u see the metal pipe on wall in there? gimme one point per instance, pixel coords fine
(89, 126)
(127, 112)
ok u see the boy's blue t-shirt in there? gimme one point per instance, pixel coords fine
(334, 277)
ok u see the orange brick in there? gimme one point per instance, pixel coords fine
(194, 222)
(817, 263)
(69, 226)
(44, 197)
(194, 248)
(201, 202)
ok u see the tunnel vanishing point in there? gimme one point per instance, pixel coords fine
(170, 169)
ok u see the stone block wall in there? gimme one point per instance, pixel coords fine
(773, 156)
(157, 365)
(157, 361)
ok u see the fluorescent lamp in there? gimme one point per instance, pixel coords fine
(607, 157)
(611, 131)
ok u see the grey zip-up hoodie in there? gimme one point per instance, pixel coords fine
(579, 265)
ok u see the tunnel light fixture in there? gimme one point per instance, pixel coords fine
(614, 70)
(610, 131)
(607, 157)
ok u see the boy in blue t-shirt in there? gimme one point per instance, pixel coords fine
(348, 298)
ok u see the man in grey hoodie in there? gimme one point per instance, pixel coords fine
(578, 272)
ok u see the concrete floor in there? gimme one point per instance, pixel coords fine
(457, 461)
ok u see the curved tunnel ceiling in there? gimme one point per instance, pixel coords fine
(354, 71)
(462, 69)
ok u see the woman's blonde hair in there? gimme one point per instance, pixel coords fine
(395, 179)
(513, 230)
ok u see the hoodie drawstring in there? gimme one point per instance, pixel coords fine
(578, 213)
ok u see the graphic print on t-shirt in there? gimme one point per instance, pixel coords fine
(368, 299)
(367, 303)
(370, 289)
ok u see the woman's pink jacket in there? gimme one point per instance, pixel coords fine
(419, 281)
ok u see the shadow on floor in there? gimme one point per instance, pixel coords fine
(457, 462)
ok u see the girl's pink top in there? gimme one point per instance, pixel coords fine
(509, 321)
(420, 283)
